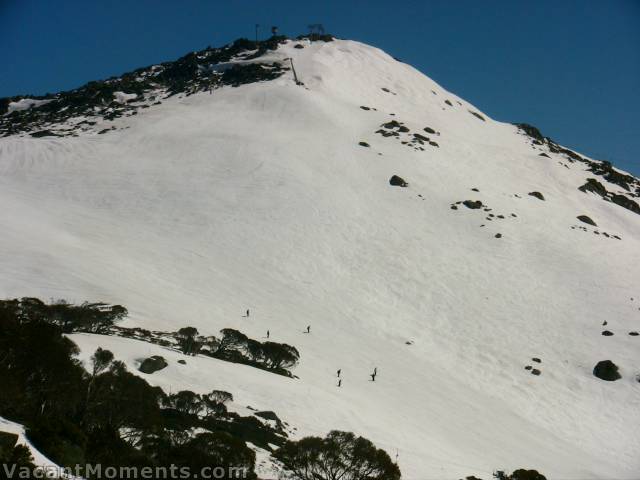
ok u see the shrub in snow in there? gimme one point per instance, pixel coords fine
(184, 401)
(520, 474)
(187, 339)
(100, 360)
(339, 455)
(237, 347)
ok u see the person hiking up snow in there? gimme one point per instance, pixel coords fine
(247, 315)
(267, 333)
(339, 370)
(340, 383)
(308, 328)
(373, 377)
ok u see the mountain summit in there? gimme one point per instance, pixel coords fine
(322, 183)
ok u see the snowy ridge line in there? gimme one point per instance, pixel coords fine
(93, 107)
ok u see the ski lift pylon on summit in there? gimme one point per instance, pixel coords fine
(316, 28)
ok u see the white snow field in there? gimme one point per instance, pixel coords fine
(260, 197)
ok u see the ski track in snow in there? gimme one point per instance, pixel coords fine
(260, 197)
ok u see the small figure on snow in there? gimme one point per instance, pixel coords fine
(308, 328)
(247, 315)
(373, 377)
(267, 333)
(339, 370)
(340, 383)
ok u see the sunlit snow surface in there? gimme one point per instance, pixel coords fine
(260, 197)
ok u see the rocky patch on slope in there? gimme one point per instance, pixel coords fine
(596, 232)
(594, 186)
(80, 110)
(399, 131)
(629, 185)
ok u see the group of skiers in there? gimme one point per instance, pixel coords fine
(372, 375)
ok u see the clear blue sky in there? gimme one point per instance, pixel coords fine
(571, 68)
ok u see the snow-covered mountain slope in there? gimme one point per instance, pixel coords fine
(261, 197)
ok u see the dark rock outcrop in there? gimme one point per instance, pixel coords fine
(538, 195)
(626, 202)
(472, 204)
(397, 181)
(477, 115)
(594, 186)
(598, 188)
(606, 370)
(587, 220)
(152, 364)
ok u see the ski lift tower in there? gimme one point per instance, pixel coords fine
(316, 29)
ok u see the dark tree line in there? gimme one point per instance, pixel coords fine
(108, 415)
(340, 455)
(235, 346)
(87, 317)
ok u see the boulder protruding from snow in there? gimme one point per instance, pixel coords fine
(472, 204)
(397, 181)
(152, 364)
(587, 220)
(606, 370)
(538, 195)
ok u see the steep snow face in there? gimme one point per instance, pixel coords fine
(261, 197)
